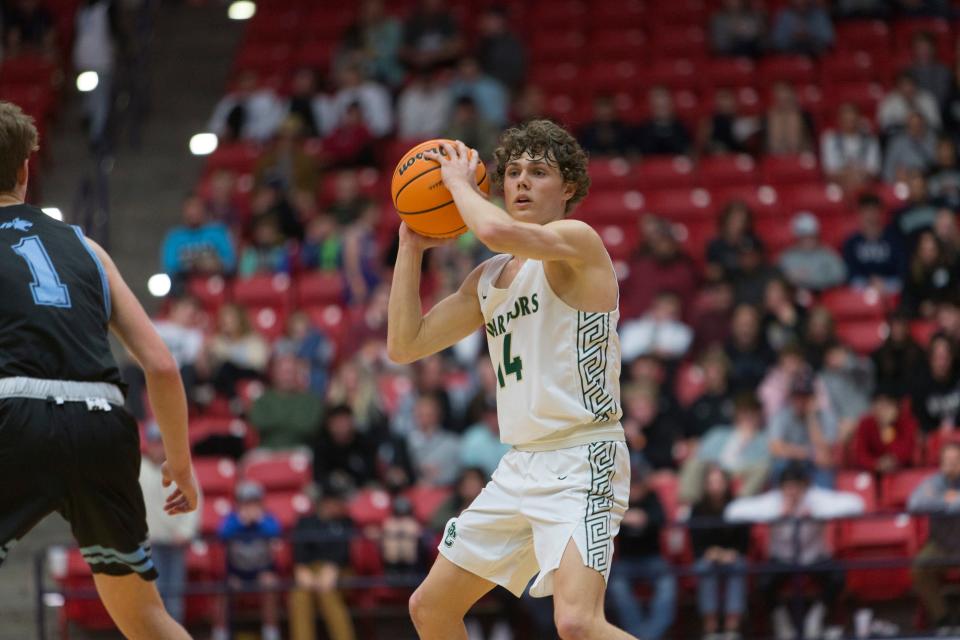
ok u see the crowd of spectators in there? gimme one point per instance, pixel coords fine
(734, 377)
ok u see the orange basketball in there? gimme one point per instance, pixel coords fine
(421, 198)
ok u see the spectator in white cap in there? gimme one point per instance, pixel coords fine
(808, 263)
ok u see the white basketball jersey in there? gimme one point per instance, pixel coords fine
(557, 368)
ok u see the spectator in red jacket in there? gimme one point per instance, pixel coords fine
(886, 437)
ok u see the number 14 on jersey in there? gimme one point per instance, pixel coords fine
(510, 365)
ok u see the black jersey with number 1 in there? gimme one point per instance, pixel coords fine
(54, 301)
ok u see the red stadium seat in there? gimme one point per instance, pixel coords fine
(287, 507)
(212, 513)
(618, 15)
(618, 44)
(205, 427)
(863, 35)
(934, 443)
(426, 500)
(216, 476)
(877, 539)
(319, 288)
(788, 170)
(269, 321)
(264, 58)
(267, 290)
(621, 241)
(552, 77)
(835, 231)
(923, 330)
(854, 66)
(288, 471)
(239, 157)
(331, 320)
(211, 291)
(863, 336)
(895, 488)
(824, 200)
(667, 486)
(730, 72)
(680, 13)
(315, 53)
(684, 41)
(370, 507)
(611, 174)
(608, 77)
(904, 30)
(776, 234)
(792, 69)
(556, 16)
(865, 94)
(664, 173)
(612, 207)
(694, 235)
(679, 204)
(673, 73)
(727, 170)
(205, 568)
(764, 200)
(861, 483)
(28, 69)
(564, 46)
(847, 303)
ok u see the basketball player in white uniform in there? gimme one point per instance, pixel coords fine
(548, 303)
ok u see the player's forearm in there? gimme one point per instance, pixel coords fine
(169, 403)
(404, 312)
(488, 222)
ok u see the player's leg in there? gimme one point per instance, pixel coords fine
(578, 593)
(136, 608)
(438, 605)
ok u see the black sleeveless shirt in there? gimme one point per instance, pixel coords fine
(54, 301)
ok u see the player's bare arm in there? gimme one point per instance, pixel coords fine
(132, 326)
(573, 253)
(411, 335)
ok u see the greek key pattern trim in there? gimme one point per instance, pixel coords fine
(602, 458)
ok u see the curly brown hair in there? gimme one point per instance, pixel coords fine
(545, 140)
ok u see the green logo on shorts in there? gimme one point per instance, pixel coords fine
(451, 534)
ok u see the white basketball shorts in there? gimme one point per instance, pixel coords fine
(535, 503)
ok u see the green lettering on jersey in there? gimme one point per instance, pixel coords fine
(522, 306)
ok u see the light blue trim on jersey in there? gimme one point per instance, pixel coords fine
(103, 274)
(139, 560)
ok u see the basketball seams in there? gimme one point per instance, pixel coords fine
(409, 182)
(439, 206)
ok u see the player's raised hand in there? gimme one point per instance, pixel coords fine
(458, 164)
(184, 497)
(410, 238)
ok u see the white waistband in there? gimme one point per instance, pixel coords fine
(59, 390)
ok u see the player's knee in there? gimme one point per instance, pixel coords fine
(572, 625)
(418, 608)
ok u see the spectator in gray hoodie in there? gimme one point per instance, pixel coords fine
(847, 380)
(808, 263)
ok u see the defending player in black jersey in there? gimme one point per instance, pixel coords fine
(66, 443)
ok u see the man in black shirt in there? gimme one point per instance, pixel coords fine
(66, 442)
(640, 559)
(321, 549)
